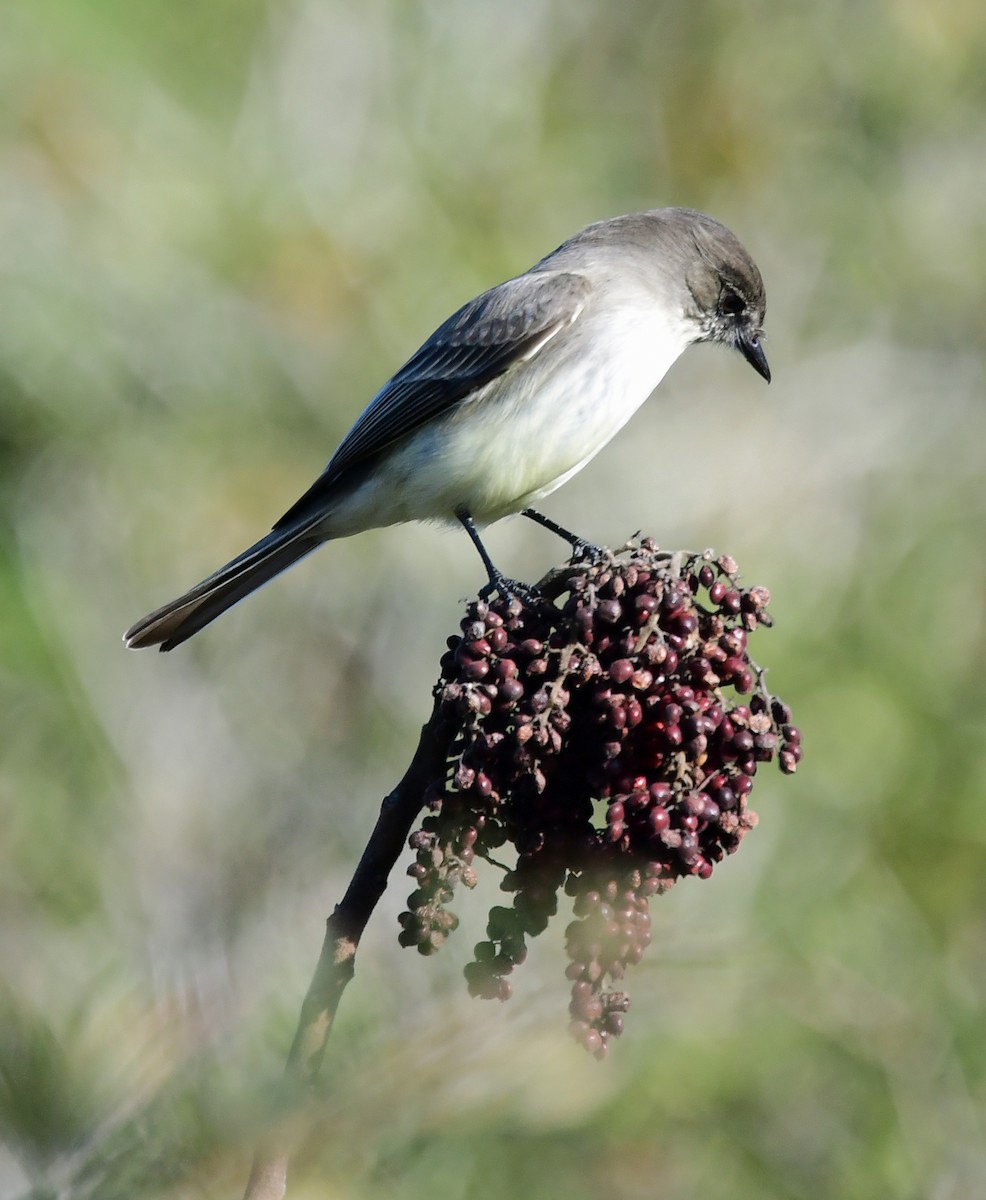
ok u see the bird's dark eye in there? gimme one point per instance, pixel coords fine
(731, 305)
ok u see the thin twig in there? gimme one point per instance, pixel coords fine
(336, 964)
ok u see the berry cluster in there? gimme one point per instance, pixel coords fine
(609, 728)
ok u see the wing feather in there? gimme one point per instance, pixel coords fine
(484, 339)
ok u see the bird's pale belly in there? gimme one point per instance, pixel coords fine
(515, 448)
(512, 458)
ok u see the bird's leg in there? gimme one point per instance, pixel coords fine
(580, 547)
(498, 581)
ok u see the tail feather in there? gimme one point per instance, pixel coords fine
(174, 623)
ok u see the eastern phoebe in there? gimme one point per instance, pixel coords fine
(511, 396)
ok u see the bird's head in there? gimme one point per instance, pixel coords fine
(728, 301)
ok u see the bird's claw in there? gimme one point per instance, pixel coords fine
(511, 589)
(582, 549)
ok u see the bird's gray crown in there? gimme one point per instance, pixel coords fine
(693, 253)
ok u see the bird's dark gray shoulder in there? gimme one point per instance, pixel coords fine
(506, 316)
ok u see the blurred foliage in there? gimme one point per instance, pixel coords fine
(222, 226)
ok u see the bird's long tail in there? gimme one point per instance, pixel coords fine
(176, 622)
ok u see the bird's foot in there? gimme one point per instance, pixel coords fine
(511, 589)
(581, 549)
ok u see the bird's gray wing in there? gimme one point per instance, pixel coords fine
(506, 325)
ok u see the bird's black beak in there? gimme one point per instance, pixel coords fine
(752, 351)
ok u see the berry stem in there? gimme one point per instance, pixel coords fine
(336, 963)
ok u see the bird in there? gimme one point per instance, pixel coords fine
(510, 397)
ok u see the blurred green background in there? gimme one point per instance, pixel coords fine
(222, 226)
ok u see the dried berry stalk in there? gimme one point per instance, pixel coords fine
(612, 740)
